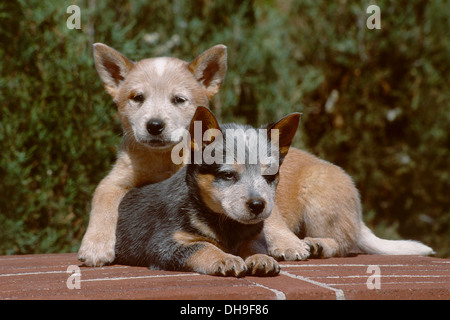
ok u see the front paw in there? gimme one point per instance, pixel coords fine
(229, 265)
(322, 247)
(96, 251)
(262, 265)
(297, 250)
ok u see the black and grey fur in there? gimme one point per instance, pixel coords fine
(171, 225)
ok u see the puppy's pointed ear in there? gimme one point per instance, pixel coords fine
(284, 130)
(210, 68)
(111, 66)
(203, 121)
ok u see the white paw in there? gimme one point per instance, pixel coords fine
(96, 252)
(291, 252)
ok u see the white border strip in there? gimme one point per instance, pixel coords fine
(278, 294)
(30, 273)
(350, 265)
(339, 293)
(386, 276)
(59, 271)
(143, 277)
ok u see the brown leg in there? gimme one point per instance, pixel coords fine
(282, 243)
(209, 259)
(97, 247)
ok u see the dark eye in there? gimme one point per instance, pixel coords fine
(178, 100)
(227, 175)
(139, 98)
(270, 178)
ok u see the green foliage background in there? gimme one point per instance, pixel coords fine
(375, 102)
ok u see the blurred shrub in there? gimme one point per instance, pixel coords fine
(388, 126)
(375, 102)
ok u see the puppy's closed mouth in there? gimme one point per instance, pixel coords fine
(158, 144)
(254, 220)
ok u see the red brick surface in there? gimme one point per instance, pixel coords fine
(401, 277)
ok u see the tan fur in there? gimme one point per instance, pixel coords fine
(239, 168)
(317, 213)
(317, 200)
(187, 239)
(137, 163)
(209, 194)
(211, 260)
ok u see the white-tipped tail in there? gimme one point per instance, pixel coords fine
(370, 243)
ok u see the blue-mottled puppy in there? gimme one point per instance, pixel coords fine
(208, 217)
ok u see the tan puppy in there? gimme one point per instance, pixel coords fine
(318, 202)
(155, 97)
(317, 211)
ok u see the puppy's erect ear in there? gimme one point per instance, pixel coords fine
(197, 130)
(111, 66)
(210, 68)
(285, 130)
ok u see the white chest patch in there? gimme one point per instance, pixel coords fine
(160, 65)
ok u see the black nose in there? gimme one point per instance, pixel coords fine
(155, 127)
(256, 206)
